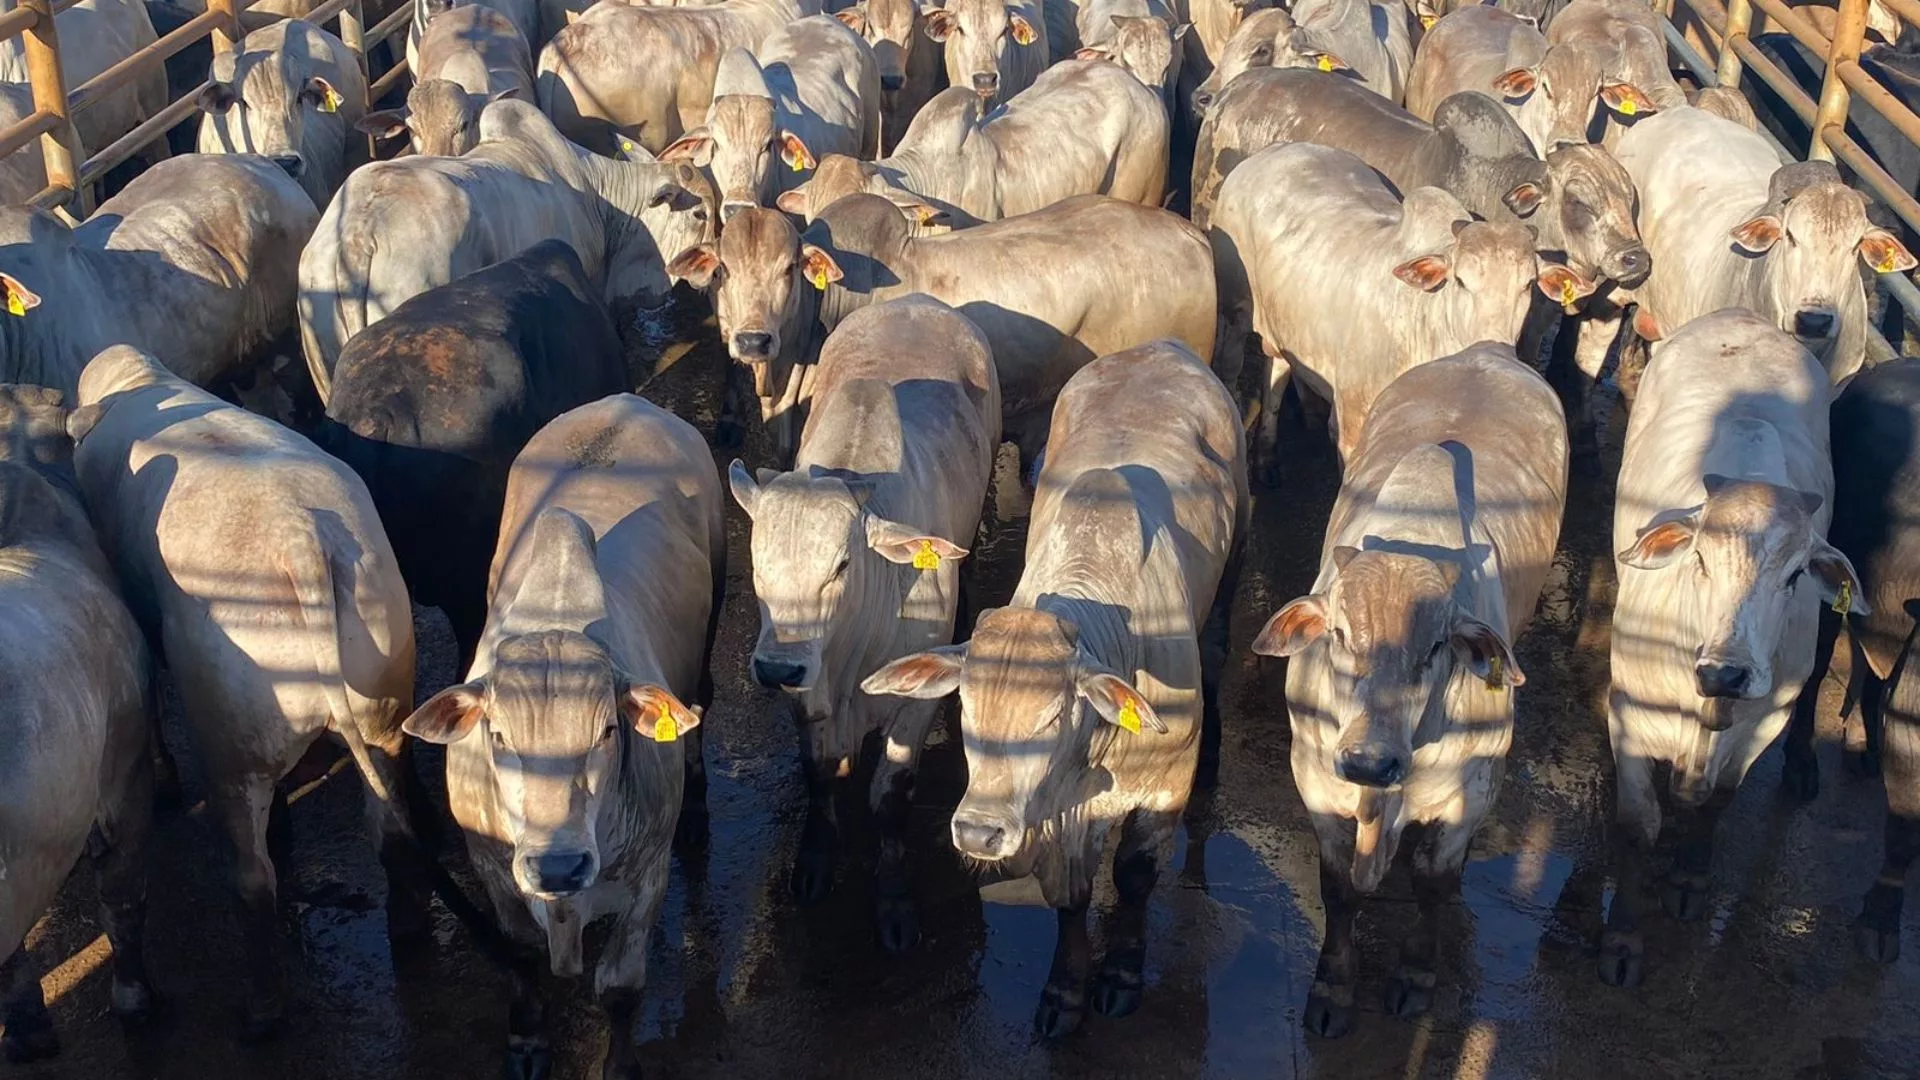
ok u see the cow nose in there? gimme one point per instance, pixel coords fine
(561, 873)
(1370, 766)
(986, 83)
(752, 343)
(892, 82)
(1632, 266)
(774, 674)
(979, 838)
(1813, 324)
(732, 207)
(292, 164)
(1722, 680)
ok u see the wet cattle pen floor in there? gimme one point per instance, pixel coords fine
(744, 983)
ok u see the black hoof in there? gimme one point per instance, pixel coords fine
(1116, 992)
(899, 924)
(1409, 993)
(529, 1061)
(29, 1041)
(1326, 1018)
(1057, 1017)
(1876, 944)
(812, 876)
(1800, 779)
(1685, 899)
(1864, 764)
(1620, 961)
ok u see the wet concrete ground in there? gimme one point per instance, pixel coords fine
(746, 984)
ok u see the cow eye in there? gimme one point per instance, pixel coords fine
(1700, 563)
(1794, 579)
(1579, 213)
(840, 571)
(1263, 54)
(605, 736)
(499, 741)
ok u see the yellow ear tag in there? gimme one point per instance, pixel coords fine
(1325, 63)
(331, 101)
(1886, 265)
(1129, 717)
(626, 146)
(926, 558)
(1427, 21)
(664, 729)
(15, 305)
(1496, 673)
(1627, 107)
(1568, 294)
(818, 275)
(1845, 600)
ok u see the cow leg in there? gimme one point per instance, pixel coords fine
(1063, 1003)
(118, 851)
(1691, 877)
(166, 773)
(1863, 758)
(1330, 1003)
(390, 819)
(1436, 883)
(892, 800)
(1636, 827)
(820, 839)
(1800, 775)
(1266, 443)
(730, 432)
(1876, 932)
(1119, 980)
(622, 974)
(529, 1055)
(30, 1035)
(244, 808)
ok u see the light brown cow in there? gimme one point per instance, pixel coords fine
(1625, 35)
(1082, 702)
(912, 65)
(281, 611)
(469, 55)
(1266, 38)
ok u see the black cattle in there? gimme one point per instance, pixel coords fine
(1876, 524)
(431, 404)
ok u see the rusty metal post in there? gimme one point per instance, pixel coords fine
(228, 33)
(1849, 30)
(60, 147)
(1739, 22)
(353, 33)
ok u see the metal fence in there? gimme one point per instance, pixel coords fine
(70, 174)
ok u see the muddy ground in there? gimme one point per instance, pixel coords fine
(746, 984)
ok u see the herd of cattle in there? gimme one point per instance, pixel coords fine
(1406, 229)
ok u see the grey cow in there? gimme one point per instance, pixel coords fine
(196, 260)
(1417, 280)
(995, 48)
(1371, 37)
(469, 55)
(1401, 669)
(291, 92)
(1085, 127)
(856, 560)
(570, 743)
(1117, 274)
(1268, 38)
(73, 738)
(1082, 702)
(280, 609)
(912, 65)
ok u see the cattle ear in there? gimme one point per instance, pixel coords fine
(1486, 653)
(921, 213)
(627, 150)
(794, 152)
(1180, 32)
(573, 16)
(383, 123)
(19, 298)
(939, 24)
(1839, 585)
(81, 420)
(1646, 326)
(855, 18)
(1426, 273)
(1294, 627)
(1625, 99)
(1524, 199)
(1118, 703)
(1881, 251)
(818, 267)
(450, 715)
(793, 202)
(1516, 84)
(655, 712)
(898, 544)
(1756, 236)
(673, 197)
(1324, 61)
(512, 92)
(1022, 30)
(1562, 286)
(694, 148)
(321, 95)
(216, 98)
(746, 490)
(695, 266)
(1092, 53)
(1661, 544)
(924, 675)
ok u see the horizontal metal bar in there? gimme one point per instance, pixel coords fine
(154, 127)
(389, 26)
(1856, 158)
(17, 22)
(329, 10)
(26, 130)
(145, 60)
(1802, 30)
(1880, 99)
(1790, 91)
(384, 85)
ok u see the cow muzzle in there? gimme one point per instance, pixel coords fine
(1370, 764)
(781, 672)
(1814, 324)
(1720, 678)
(751, 346)
(291, 164)
(984, 836)
(556, 872)
(986, 83)
(892, 83)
